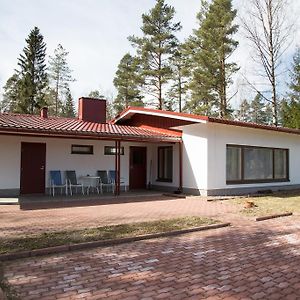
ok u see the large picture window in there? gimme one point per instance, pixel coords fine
(165, 164)
(248, 164)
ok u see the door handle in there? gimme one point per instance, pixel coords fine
(42, 167)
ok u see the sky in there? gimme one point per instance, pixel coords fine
(95, 32)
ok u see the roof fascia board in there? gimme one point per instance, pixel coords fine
(111, 137)
(182, 127)
(159, 114)
(254, 126)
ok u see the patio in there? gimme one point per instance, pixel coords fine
(90, 212)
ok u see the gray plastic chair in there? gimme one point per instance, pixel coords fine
(104, 180)
(72, 182)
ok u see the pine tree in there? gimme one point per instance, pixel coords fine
(290, 108)
(68, 109)
(156, 47)
(294, 85)
(257, 110)
(243, 113)
(60, 76)
(128, 83)
(33, 77)
(177, 90)
(96, 94)
(268, 119)
(209, 49)
(10, 99)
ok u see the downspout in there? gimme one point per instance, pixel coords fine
(117, 168)
(180, 167)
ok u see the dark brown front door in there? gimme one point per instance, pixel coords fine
(33, 158)
(138, 168)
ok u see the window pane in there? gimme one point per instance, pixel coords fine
(280, 167)
(258, 163)
(111, 150)
(160, 162)
(165, 163)
(169, 163)
(233, 163)
(82, 149)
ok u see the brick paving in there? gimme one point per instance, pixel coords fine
(247, 261)
(257, 261)
(14, 221)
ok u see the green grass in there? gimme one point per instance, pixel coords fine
(271, 204)
(31, 242)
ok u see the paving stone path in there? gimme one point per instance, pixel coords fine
(14, 221)
(247, 261)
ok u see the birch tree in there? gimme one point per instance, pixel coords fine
(268, 31)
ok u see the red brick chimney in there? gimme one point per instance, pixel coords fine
(92, 110)
(44, 112)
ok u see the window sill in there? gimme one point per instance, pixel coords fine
(256, 181)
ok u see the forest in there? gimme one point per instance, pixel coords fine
(194, 76)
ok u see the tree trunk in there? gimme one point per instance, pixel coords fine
(223, 100)
(160, 104)
(179, 92)
(273, 76)
(56, 97)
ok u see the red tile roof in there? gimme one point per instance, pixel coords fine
(34, 124)
(196, 118)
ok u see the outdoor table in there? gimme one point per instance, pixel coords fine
(92, 182)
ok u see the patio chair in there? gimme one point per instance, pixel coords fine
(56, 182)
(104, 180)
(72, 182)
(112, 178)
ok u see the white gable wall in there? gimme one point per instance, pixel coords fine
(195, 155)
(221, 135)
(204, 156)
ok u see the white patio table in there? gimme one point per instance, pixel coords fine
(92, 182)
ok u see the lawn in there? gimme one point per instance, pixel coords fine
(271, 204)
(43, 240)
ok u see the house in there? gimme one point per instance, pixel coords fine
(149, 149)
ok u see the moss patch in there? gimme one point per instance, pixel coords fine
(44, 240)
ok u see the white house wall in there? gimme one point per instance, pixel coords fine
(221, 135)
(10, 161)
(204, 157)
(59, 157)
(195, 154)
